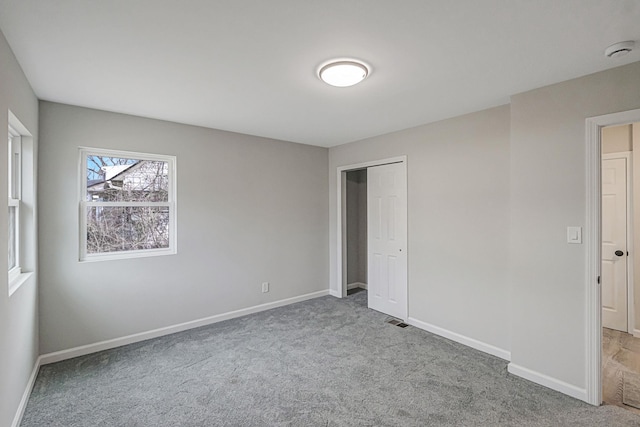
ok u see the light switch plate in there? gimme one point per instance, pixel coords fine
(574, 235)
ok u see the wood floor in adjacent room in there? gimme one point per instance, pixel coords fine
(621, 369)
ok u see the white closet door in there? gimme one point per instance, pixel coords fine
(387, 239)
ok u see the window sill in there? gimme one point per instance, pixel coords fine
(18, 281)
(111, 256)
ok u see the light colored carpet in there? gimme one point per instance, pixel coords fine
(324, 362)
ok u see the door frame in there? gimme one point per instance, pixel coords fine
(627, 155)
(593, 242)
(341, 202)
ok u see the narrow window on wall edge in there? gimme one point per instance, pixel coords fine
(127, 204)
(15, 178)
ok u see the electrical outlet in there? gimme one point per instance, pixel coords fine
(265, 287)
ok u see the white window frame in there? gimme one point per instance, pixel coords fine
(15, 194)
(84, 204)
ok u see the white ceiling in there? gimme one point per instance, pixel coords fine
(250, 66)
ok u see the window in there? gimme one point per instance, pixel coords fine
(22, 211)
(15, 178)
(127, 205)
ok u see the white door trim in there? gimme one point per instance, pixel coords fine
(593, 126)
(339, 287)
(627, 155)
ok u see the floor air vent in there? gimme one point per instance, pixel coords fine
(396, 322)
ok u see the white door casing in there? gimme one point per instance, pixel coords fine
(614, 244)
(593, 246)
(387, 239)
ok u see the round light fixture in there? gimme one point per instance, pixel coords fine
(343, 73)
(617, 50)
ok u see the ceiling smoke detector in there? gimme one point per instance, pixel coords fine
(617, 50)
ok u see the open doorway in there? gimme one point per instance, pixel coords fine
(372, 213)
(620, 199)
(593, 247)
(356, 230)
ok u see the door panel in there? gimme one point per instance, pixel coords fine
(387, 239)
(614, 238)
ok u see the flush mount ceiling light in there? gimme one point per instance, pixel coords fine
(617, 50)
(343, 73)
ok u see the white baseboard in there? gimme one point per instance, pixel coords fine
(356, 285)
(547, 381)
(636, 333)
(453, 336)
(17, 419)
(142, 336)
(334, 293)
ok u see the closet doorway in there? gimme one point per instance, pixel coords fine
(381, 227)
(356, 229)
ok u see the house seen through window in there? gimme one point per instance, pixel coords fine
(128, 204)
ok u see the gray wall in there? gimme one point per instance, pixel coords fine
(458, 229)
(250, 210)
(18, 313)
(356, 201)
(548, 193)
